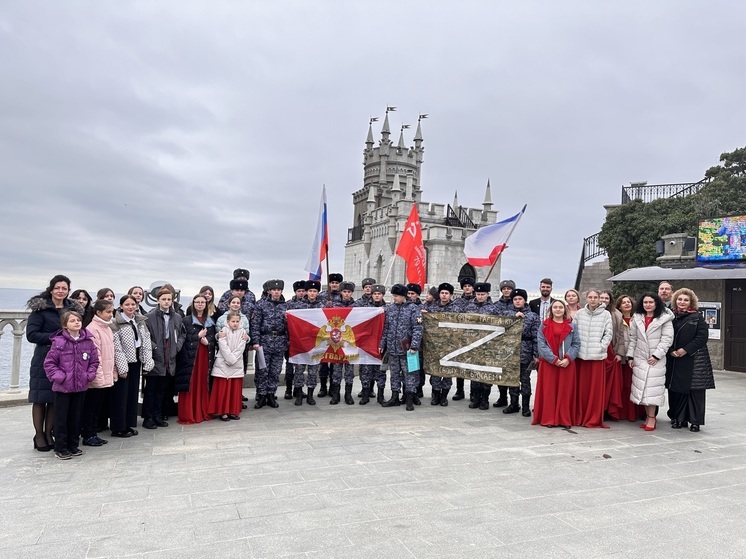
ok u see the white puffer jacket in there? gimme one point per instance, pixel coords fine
(229, 357)
(595, 330)
(648, 381)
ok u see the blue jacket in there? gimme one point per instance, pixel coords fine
(568, 348)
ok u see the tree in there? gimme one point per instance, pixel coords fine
(630, 231)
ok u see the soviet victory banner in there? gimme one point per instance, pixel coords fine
(335, 335)
(479, 347)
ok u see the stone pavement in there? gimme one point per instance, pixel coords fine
(364, 481)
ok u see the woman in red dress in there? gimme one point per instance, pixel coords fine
(594, 328)
(559, 343)
(194, 363)
(629, 410)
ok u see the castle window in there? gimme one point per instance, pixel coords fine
(467, 271)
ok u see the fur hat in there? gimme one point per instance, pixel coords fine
(378, 288)
(414, 287)
(300, 284)
(241, 284)
(507, 283)
(368, 281)
(482, 287)
(399, 289)
(466, 281)
(335, 277)
(275, 284)
(519, 293)
(240, 273)
(433, 291)
(313, 284)
(445, 287)
(347, 286)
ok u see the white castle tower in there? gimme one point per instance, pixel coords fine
(391, 185)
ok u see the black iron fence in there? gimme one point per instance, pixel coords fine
(649, 192)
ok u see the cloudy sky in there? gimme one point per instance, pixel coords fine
(142, 141)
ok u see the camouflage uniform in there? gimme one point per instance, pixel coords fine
(312, 370)
(529, 351)
(403, 321)
(370, 374)
(504, 306)
(441, 384)
(480, 390)
(269, 330)
(463, 302)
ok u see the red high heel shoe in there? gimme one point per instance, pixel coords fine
(647, 427)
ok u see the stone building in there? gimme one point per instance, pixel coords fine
(391, 185)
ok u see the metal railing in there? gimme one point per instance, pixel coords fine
(649, 192)
(355, 233)
(458, 218)
(17, 320)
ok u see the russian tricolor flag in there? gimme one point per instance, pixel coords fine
(320, 247)
(484, 247)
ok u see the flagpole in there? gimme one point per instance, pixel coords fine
(506, 242)
(326, 247)
(393, 258)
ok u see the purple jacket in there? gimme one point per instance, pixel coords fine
(71, 364)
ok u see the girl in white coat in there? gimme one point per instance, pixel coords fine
(225, 397)
(650, 336)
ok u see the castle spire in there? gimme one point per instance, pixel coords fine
(487, 204)
(369, 140)
(418, 133)
(455, 200)
(386, 131)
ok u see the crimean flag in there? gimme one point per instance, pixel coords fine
(412, 250)
(484, 247)
(320, 248)
(335, 335)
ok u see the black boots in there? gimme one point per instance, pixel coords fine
(380, 398)
(348, 395)
(513, 407)
(322, 390)
(272, 401)
(309, 398)
(416, 399)
(459, 395)
(371, 390)
(484, 398)
(410, 401)
(333, 392)
(364, 396)
(502, 400)
(298, 393)
(289, 386)
(435, 398)
(261, 401)
(394, 401)
(525, 406)
(444, 398)
(475, 397)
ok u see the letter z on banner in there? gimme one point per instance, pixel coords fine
(335, 335)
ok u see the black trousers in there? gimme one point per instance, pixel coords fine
(68, 410)
(324, 369)
(133, 394)
(118, 403)
(94, 400)
(688, 407)
(152, 397)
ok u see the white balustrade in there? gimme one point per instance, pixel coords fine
(17, 320)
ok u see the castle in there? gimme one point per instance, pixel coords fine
(391, 185)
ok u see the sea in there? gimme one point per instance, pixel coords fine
(14, 300)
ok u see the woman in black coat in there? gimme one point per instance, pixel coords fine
(194, 363)
(44, 320)
(688, 368)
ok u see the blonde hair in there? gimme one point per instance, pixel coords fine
(693, 300)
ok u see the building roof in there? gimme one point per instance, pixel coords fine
(656, 273)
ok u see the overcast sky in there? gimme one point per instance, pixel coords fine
(144, 141)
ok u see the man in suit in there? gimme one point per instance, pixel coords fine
(665, 292)
(542, 305)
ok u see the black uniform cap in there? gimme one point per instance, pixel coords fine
(482, 287)
(414, 287)
(399, 289)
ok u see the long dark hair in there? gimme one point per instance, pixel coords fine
(659, 306)
(47, 293)
(75, 294)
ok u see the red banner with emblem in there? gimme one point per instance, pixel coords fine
(335, 335)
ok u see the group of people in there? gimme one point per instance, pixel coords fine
(595, 362)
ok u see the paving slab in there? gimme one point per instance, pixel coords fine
(366, 481)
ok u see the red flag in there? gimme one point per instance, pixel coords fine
(412, 250)
(335, 335)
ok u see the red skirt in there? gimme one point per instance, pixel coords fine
(225, 397)
(194, 405)
(591, 393)
(629, 411)
(614, 401)
(555, 398)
